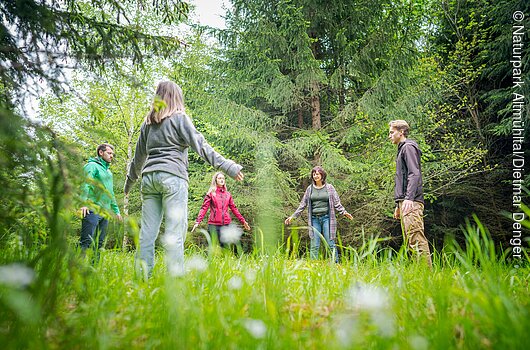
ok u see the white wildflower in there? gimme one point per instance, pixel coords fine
(16, 275)
(176, 214)
(175, 268)
(196, 263)
(376, 302)
(250, 276)
(346, 330)
(230, 234)
(417, 342)
(256, 328)
(384, 323)
(367, 297)
(170, 240)
(235, 283)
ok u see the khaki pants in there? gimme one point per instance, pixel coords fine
(412, 226)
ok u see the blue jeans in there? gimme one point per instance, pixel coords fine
(93, 228)
(216, 234)
(321, 225)
(216, 230)
(164, 195)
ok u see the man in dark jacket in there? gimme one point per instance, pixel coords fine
(408, 190)
(98, 195)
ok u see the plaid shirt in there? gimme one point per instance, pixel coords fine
(334, 204)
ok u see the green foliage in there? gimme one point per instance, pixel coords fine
(254, 301)
(38, 169)
(36, 214)
(369, 70)
(473, 41)
(438, 65)
(480, 249)
(103, 109)
(244, 93)
(36, 37)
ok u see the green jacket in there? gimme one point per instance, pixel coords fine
(98, 190)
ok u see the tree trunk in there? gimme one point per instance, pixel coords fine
(473, 110)
(315, 106)
(342, 95)
(126, 244)
(300, 118)
(315, 117)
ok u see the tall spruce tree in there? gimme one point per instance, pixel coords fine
(334, 74)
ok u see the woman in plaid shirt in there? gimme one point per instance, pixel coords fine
(321, 200)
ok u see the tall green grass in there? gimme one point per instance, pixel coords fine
(374, 299)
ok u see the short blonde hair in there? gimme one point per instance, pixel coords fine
(401, 126)
(168, 100)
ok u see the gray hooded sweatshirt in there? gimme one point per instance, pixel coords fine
(164, 147)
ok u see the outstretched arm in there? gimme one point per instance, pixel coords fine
(337, 204)
(303, 204)
(202, 212)
(140, 155)
(198, 143)
(238, 215)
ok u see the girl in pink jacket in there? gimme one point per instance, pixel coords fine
(219, 200)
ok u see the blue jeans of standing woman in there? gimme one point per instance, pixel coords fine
(321, 225)
(164, 195)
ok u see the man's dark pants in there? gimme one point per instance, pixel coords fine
(93, 231)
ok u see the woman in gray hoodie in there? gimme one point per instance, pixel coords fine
(161, 158)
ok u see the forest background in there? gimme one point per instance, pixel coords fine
(287, 85)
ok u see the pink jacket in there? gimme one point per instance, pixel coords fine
(218, 204)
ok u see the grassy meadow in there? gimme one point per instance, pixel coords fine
(472, 299)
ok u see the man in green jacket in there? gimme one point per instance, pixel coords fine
(98, 194)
